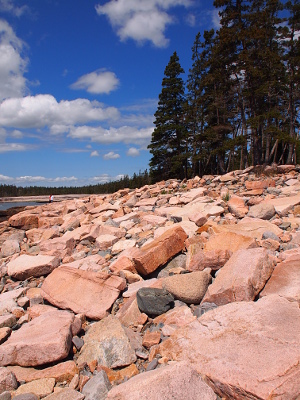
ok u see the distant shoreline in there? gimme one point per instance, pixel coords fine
(41, 199)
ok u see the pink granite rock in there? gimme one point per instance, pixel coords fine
(64, 371)
(189, 288)
(8, 380)
(174, 382)
(10, 247)
(83, 292)
(105, 241)
(247, 350)
(285, 280)
(59, 247)
(213, 259)
(230, 241)
(24, 220)
(241, 278)
(26, 266)
(252, 185)
(155, 254)
(106, 341)
(237, 207)
(43, 340)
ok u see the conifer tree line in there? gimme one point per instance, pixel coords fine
(240, 104)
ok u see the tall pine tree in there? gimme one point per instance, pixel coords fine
(168, 143)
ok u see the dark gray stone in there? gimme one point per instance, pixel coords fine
(97, 387)
(78, 342)
(203, 308)
(270, 235)
(152, 365)
(153, 301)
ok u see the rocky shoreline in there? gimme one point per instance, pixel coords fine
(178, 290)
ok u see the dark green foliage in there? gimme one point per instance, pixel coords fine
(243, 98)
(168, 143)
(136, 181)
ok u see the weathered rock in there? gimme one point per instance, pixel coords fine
(24, 220)
(213, 259)
(97, 387)
(97, 291)
(8, 380)
(154, 301)
(155, 254)
(130, 315)
(284, 204)
(26, 266)
(41, 387)
(27, 396)
(134, 287)
(241, 278)
(61, 372)
(237, 207)
(10, 247)
(174, 382)
(7, 320)
(285, 280)
(43, 340)
(103, 242)
(247, 350)
(230, 241)
(252, 185)
(262, 210)
(65, 394)
(4, 334)
(107, 342)
(189, 288)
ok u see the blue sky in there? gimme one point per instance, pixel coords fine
(79, 84)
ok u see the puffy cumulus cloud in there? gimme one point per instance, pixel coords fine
(141, 20)
(133, 152)
(9, 7)
(97, 82)
(28, 179)
(44, 110)
(125, 134)
(103, 178)
(4, 178)
(111, 156)
(94, 153)
(12, 63)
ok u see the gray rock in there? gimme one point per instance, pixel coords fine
(203, 308)
(270, 235)
(78, 342)
(97, 387)
(285, 225)
(153, 301)
(262, 210)
(5, 396)
(26, 396)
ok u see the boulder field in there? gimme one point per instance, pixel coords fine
(177, 290)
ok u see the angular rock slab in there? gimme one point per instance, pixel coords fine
(247, 350)
(43, 340)
(26, 266)
(242, 277)
(84, 292)
(107, 342)
(174, 382)
(155, 254)
(285, 280)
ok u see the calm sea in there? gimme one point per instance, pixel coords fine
(5, 206)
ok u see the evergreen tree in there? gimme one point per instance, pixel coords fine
(168, 143)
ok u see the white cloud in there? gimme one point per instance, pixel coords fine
(97, 82)
(44, 110)
(94, 153)
(5, 178)
(141, 20)
(9, 7)
(12, 63)
(125, 134)
(111, 156)
(133, 152)
(216, 19)
(8, 147)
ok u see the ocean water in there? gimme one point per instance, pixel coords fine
(5, 206)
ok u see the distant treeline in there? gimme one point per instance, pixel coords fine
(136, 181)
